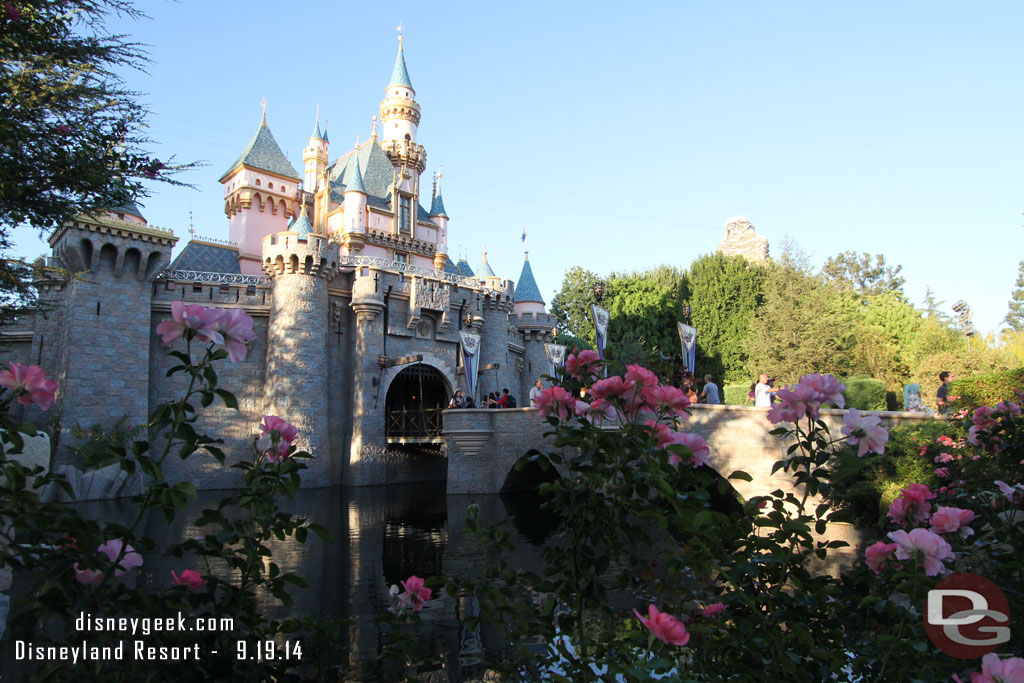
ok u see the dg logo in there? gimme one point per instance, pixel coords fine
(967, 616)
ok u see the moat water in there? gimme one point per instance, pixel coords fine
(382, 535)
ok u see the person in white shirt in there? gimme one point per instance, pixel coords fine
(710, 391)
(536, 390)
(763, 392)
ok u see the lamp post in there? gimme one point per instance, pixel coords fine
(966, 321)
(599, 292)
(686, 313)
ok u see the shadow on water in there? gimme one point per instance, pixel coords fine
(382, 535)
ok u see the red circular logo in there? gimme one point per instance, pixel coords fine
(967, 616)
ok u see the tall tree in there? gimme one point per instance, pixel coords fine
(643, 318)
(1015, 315)
(805, 325)
(863, 274)
(71, 132)
(933, 307)
(571, 305)
(725, 294)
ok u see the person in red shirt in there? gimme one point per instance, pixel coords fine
(503, 401)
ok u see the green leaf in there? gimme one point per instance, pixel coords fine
(740, 474)
(229, 399)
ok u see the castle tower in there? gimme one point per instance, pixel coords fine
(439, 218)
(314, 157)
(300, 263)
(354, 216)
(96, 342)
(400, 116)
(259, 189)
(527, 296)
(486, 275)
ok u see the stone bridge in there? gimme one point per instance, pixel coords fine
(483, 444)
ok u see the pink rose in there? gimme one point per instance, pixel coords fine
(996, 670)
(943, 458)
(641, 376)
(662, 432)
(1012, 492)
(583, 365)
(794, 402)
(666, 398)
(611, 387)
(286, 436)
(945, 441)
(698, 447)
(918, 492)
(878, 555)
(236, 327)
(933, 549)
(911, 505)
(189, 578)
(415, 593)
(827, 388)
(942, 472)
(949, 519)
(713, 609)
(555, 401)
(112, 549)
(983, 417)
(865, 429)
(664, 627)
(1008, 408)
(203, 321)
(32, 381)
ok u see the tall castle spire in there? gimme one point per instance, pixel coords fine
(399, 112)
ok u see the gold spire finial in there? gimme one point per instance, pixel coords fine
(191, 226)
(263, 122)
(374, 125)
(357, 139)
(400, 28)
(485, 252)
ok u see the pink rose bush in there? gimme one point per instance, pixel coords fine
(285, 436)
(877, 556)
(713, 609)
(996, 670)
(30, 385)
(950, 520)
(227, 327)
(806, 398)
(555, 401)
(583, 365)
(189, 578)
(664, 627)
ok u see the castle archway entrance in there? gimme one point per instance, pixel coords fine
(413, 405)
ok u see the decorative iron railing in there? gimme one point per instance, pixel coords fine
(408, 268)
(419, 422)
(214, 278)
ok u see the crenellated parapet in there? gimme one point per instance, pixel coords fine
(290, 253)
(406, 152)
(122, 248)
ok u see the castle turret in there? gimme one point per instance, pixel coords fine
(314, 157)
(400, 116)
(486, 275)
(300, 264)
(96, 342)
(440, 219)
(399, 111)
(354, 233)
(527, 296)
(259, 189)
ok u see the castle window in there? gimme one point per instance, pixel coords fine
(271, 186)
(401, 257)
(257, 182)
(405, 214)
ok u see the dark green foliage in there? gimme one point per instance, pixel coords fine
(644, 318)
(865, 394)
(1015, 315)
(571, 305)
(725, 292)
(874, 482)
(989, 389)
(863, 275)
(736, 394)
(571, 342)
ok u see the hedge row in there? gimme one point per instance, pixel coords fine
(736, 394)
(865, 394)
(988, 389)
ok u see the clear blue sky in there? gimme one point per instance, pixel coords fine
(624, 135)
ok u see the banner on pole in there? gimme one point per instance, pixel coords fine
(601, 317)
(556, 357)
(469, 347)
(688, 339)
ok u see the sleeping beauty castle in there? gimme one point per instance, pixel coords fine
(365, 327)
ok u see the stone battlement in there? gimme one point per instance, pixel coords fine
(285, 253)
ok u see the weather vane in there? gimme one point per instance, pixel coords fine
(400, 29)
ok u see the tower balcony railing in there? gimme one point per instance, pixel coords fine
(214, 278)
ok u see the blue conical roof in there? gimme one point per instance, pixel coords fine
(437, 206)
(463, 267)
(450, 267)
(301, 226)
(316, 131)
(485, 269)
(400, 75)
(526, 288)
(354, 183)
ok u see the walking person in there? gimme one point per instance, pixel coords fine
(763, 391)
(942, 397)
(710, 391)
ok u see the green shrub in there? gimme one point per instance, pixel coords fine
(865, 394)
(908, 459)
(988, 389)
(736, 394)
